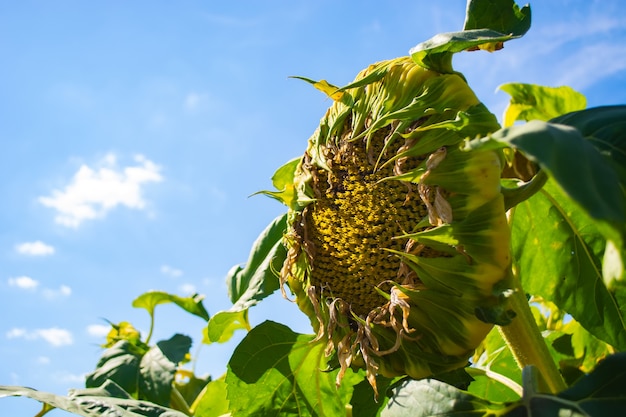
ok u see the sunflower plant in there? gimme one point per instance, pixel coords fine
(448, 265)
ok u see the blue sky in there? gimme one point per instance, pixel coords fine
(134, 133)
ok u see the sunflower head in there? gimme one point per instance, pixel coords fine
(398, 246)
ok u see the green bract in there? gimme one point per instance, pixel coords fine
(398, 245)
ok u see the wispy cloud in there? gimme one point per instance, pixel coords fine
(23, 282)
(30, 284)
(62, 291)
(98, 330)
(55, 336)
(171, 272)
(93, 192)
(194, 100)
(188, 288)
(36, 248)
(65, 377)
(581, 72)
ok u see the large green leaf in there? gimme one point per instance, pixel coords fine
(488, 23)
(364, 402)
(605, 128)
(574, 163)
(558, 251)
(250, 284)
(119, 363)
(430, 397)
(158, 366)
(535, 102)
(151, 299)
(109, 400)
(276, 372)
(601, 393)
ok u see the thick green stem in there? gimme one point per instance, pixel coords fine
(527, 344)
(514, 196)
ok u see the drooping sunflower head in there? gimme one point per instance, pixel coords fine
(397, 239)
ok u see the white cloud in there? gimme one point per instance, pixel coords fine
(98, 330)
(37, 248)
(55, 336)
(62, 291)
(188, 288)
(17, 333)
(580, 72)
(171, 272)
(93, 192)
(24, 282)
(43, 360)
(194, 100)
(68, 378)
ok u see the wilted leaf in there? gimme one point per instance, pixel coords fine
(276, 372)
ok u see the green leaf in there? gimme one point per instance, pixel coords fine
(189, 385)
(488, 23)
(535, 102)
(430, 397)
(250, 284)
(224, 324)
(119, 364)
(601, 393)
(586, 348)
(192, 304)
(503, 16)
(494, 356)
(572, 161)
(276, 372)
(106, 401)
(558, 251)
(258, 278)
(158, 367)
(605, 128)
(212, 402)
(364, 402)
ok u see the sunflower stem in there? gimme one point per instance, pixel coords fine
(514, 196)
(527, 344)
